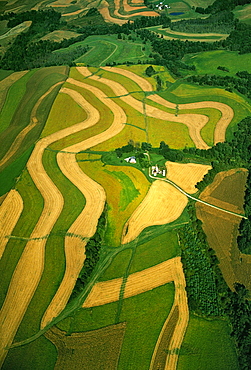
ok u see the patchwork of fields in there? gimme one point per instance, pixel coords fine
(59, 186)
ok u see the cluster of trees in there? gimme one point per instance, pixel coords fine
(241, 83)
(92, 252)
(222, 22)
(244, 238)
(197, 260)
(239, 39)
(208, 293)
(220, 5)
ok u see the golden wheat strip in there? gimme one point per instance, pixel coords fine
(194, 122)
(226, 111)
(10, 211)
(104, 11)
(180, 301)
(86, 223)
(186, 175)
(139, 282)
(144, 84)
(30, 266)
(162, 204)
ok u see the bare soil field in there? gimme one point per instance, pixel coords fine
(96, 349)
(139, 282)
(162, 204)
(186, 175)
(10, 211)
(222, 228)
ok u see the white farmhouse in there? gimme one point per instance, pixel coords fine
(131, 159)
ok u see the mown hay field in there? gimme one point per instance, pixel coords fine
(199, 351)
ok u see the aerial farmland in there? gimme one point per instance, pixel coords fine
(125, 209)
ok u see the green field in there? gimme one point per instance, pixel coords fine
(109, 49)
(28, 95)
(199, 351)
(207, 62)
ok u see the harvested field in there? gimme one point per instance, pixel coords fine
(138, 282)
(86, 223)
(96, 349)
(162, 204)
(222, 228)
(10, 211)
(186, 175)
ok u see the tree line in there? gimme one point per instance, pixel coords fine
(241, 83)
(92, 252)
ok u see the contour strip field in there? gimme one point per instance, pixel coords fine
(226, 111)
(10, 211)
(85, 224)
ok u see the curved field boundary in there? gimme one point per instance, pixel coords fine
(86, 223)
(186, 175)
(226, 111)
(203, 37)
(194, 122)
(33, 122)
(139, 282)
(6, 83)
(16, 30)
(104, 11)
(180, 301)
(30, 267)
(162, 204)
(10, 211)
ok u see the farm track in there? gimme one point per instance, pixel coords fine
(33, 122)
(10, 211)
(139, 282)
(29, 269)
(226, 111)
(6, 83)
(86, 223)
(194, 122)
